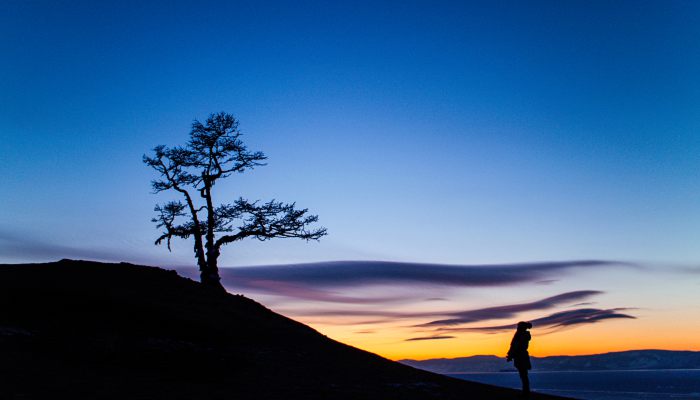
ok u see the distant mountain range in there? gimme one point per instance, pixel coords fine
(624, 360)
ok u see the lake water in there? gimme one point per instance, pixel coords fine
(603, 385)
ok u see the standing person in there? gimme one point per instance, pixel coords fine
(518, 353)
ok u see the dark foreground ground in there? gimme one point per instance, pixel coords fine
(86, 330)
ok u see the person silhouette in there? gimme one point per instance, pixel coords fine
(519, 355)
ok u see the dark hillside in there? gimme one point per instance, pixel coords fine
(86, 330)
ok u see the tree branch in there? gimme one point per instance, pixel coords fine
(166, 219)
(269, 220)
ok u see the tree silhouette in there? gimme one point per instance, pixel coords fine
(215, 151)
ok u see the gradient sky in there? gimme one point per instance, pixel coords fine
(469, 135)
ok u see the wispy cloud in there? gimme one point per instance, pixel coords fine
(689, 270)
(357, 273)
(297, 291)
(350, 282)
(458, 317)
(332, 281)
(557, 320)
(19, 246)
(509, 311)
(429, 338)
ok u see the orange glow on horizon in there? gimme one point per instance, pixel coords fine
(650, 314)
(390, 341)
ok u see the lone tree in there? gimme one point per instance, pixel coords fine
(215, 151)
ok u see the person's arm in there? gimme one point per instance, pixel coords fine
(516, 346)
(511, 350)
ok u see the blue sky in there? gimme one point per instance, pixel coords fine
(499, 160)
(418, 131)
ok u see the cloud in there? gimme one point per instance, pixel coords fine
(234, 281)
(689, 270)
(429, 338)
(15, 245)
(305, 293)
(356, 283)
(330, 281)
(509, 311)
(358, 273)
(560, 319)
(458, 317)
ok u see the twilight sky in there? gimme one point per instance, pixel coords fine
(475, 164)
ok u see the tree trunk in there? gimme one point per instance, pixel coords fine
(212, 270)
(210, 276)
(212, 282)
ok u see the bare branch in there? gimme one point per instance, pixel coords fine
(167, 214)
(269, 220)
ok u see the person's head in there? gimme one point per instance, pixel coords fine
(523, 326)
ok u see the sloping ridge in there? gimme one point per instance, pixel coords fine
(92, 330)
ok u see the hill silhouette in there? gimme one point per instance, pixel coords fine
(88, 330)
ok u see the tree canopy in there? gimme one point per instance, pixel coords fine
(215, 151)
